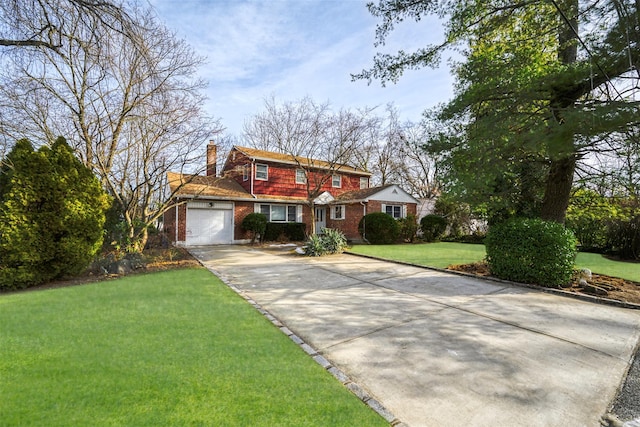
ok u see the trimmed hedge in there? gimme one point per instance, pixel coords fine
(379, 228)
(293, 231)
(531, 251)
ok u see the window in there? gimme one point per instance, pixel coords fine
(336, 181)
(301, 177)
(338, 212)
(280, 213)
(394, 210)
(364, 183)
(262, 172)
(245, 172)
(292, 213)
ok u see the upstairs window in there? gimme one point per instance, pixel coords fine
(364, 183)
(262, 172)
(301, 177)
(336, 181)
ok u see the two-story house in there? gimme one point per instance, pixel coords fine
(280, 186)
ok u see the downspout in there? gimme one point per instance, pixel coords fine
(364, 221)
(253, 161)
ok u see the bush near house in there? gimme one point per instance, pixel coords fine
(256, 224)
(408, 228)
(330, 242)
(379, 228)
(292, 231)
(531, 251)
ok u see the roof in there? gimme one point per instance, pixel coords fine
(270, 156)
(198, 185)
(388, 192)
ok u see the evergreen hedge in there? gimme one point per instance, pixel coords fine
(293, 231)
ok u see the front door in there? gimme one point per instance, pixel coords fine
(321, 219)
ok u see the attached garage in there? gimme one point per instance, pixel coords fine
(209, 223)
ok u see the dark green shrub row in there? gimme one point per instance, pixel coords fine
(293, 231)
(378, 228)
(531, 251)
(408, 228)
(623, 237)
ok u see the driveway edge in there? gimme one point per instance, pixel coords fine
(583, 297)
(354, 388)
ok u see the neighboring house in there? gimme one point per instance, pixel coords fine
(211, 208)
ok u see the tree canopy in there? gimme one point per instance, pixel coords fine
(541, 86)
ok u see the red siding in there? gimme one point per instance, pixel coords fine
(282, 179)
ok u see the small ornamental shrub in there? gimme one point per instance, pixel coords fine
(408, 228)
(256, 224)
(333, 241)
(531, 251)
(330, 242)
(379, 228)
(433, 227)
(315, 246)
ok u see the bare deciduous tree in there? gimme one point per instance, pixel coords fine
(129, 103)
(320, 141)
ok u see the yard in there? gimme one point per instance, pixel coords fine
(441, 255)
(167, 348)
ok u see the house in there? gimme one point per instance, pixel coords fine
(211, 208)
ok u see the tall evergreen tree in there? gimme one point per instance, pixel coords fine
(51, 215)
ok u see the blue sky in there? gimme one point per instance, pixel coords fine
(296, 48)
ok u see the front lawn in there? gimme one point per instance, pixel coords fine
(170, 348)
(443, 254)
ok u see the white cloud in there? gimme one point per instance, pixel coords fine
(291, 49)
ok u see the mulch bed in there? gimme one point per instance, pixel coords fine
(600, 285)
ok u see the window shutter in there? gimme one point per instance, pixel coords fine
(256, 207)
(404, 211)
(384, 208)
(299, 213)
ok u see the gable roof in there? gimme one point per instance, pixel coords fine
(388, 192)
(270, 156)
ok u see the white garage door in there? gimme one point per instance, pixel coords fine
(209, 226)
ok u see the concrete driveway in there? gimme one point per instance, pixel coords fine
(438, 349)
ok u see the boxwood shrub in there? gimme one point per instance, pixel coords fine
(379, 228)
(531, 251)
(293, 231)
(256, 224)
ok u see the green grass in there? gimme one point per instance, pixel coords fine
(441, 255)
(172, 348)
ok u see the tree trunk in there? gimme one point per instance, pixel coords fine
(558, 189)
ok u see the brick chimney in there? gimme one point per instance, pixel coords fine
(212, 151)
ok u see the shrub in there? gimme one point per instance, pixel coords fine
(294, 231)
(531, 251)
(623, 237)
(408, 228)
(378, 228)
(51, 215)
(587, 216)
(433, 227)
(330, 242)
(256, 224)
